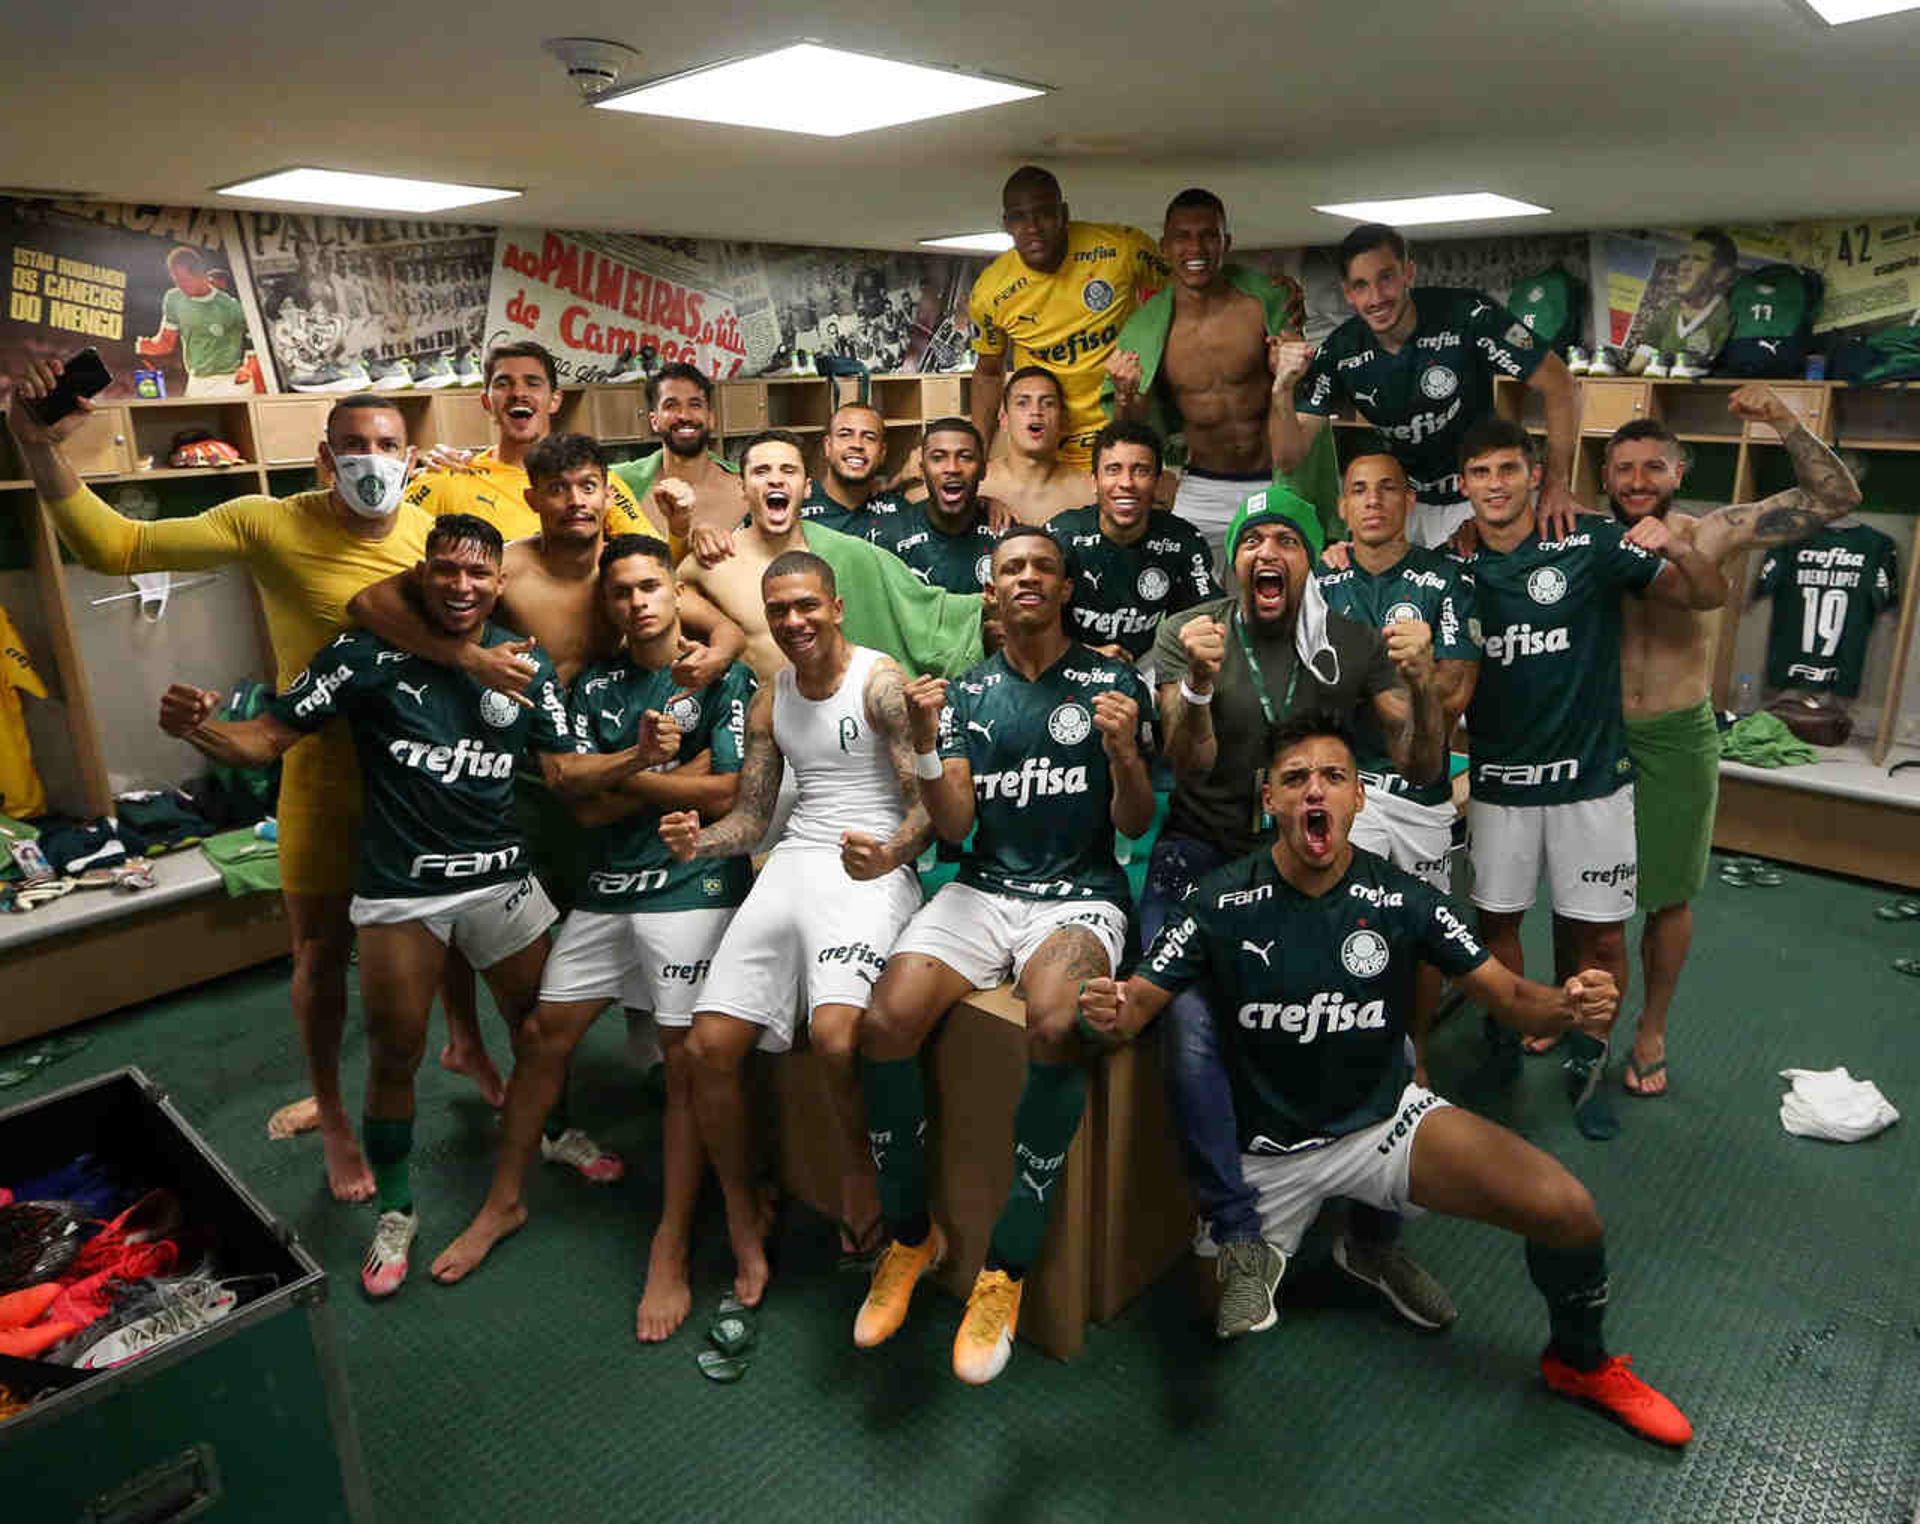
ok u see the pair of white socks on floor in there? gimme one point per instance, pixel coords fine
(1832, 1104)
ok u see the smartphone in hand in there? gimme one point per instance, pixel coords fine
(85, 375)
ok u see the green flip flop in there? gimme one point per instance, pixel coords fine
(1907, 966)
(1898, 910)
(1767, 878)
(725, 1369)
(732, 1334)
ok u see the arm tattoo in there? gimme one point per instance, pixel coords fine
(1826, 490)
(740, 829)
(887, 709)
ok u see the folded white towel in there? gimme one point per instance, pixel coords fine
(1832, 1104)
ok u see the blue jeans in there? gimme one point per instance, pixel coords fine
(1197, 1080)
(1196, 1075)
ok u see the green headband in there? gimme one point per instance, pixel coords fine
(1277, 505)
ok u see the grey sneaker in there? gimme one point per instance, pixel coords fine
(1249, 1275)
(1392, 1272)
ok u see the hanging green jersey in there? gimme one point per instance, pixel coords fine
(1827, 592)
(1042, 786)
(1424, 585)
(1121, 592)
(1545, 718)
(633, 870)
(961, 563)
(212, 328)
(436, 757)
(1311, 995)
(1426, 395)
(862, 523)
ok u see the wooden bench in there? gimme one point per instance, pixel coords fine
(1121, 1213)
(99, 949)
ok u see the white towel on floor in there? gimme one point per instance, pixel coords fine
(1832, 1104)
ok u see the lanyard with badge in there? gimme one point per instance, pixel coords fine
(1263, 823)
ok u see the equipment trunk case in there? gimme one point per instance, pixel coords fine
(245, 1420)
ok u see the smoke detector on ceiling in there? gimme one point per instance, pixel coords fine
(592, 63)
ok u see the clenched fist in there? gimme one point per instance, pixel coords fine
(1592, 1001)
(1124, 369)
(1117, 718)
(1289, 360)
(1205, 642)
(926, 699)
(679, 831)
(1410, 648)
(184, 709)
(863, 856)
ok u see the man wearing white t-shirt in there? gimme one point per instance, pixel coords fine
(832, 897)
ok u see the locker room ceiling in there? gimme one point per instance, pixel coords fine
(1644, 112)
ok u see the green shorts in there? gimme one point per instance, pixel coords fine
(1677, 758)
(561, 850)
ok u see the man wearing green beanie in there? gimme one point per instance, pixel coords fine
(1228, 670)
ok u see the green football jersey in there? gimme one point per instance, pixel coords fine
(1120, 592)
(1545, 718)
(1423, 585)
(1311, 995)
(1702, 335)
(961, 563)
(1827, 592)
(213, 330)
(1042, 786)
(633, 870)
(862, 523)
(1424, 397)
(436, 753)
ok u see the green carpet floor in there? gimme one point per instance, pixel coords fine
(1767, 1283)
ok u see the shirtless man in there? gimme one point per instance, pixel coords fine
(551, 580)
(1194, 358)
(1029, 475)
(921, 627)
(1666, 663)
(680, 413)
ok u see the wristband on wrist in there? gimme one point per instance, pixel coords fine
(1200, 699)
(927, 765)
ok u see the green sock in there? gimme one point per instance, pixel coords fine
(897, 1129)
(1574, 1282)
(388, 1144)
(1043, 1129)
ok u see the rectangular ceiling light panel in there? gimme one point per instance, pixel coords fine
(824, 92)
(973, 243)
(1840, 12)
(369, 193)
(1468, 206)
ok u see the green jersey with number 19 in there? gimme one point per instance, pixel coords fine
(1424, 585)
(1042, 785)
(1425, 395)
(1827, 592)
(1311, 994)
(436, 757)
(1545, 717)
(634, 871)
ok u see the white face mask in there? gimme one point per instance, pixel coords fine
(370, 484)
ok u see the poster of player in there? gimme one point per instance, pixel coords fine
(1492, 265)
(157, 290)
(357, 301)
